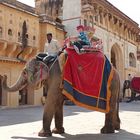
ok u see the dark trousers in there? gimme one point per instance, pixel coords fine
(40, 56)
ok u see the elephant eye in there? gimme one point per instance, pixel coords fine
(24, 72)
(36, 69)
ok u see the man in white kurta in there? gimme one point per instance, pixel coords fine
(51, 46)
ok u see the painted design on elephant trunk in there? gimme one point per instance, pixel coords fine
(20, 84)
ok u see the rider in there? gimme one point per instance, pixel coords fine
(51, 47)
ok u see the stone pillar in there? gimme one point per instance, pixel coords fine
(3, 49)
(30, 96)
(4, 98)
(71, 15)
(13, 99)
(4, 94)
(38, 96)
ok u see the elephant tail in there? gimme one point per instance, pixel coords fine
(118, 101)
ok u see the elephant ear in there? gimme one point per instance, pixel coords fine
(31, 65)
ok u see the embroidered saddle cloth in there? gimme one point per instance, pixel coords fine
(87, 78)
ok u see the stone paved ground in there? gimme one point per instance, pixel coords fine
(24, 123)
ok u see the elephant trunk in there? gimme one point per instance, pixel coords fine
(20, 84)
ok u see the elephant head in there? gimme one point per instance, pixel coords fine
(32, 75)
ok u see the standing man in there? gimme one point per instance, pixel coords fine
(129, 77)
(129, 80)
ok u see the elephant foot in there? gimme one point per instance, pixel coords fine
(129, 101)
(43, 133)
(58, 131)
(106, 130)
(117, 127)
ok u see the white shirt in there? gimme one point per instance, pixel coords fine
(52, 47)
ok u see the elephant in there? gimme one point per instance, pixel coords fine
(37, 71)
(128, 85)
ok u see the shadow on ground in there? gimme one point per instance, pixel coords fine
(32, 114)
(121, 135)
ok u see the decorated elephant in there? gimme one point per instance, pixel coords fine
(37, 71)
(133, 85)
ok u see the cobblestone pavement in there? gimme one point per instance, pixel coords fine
(24, 123)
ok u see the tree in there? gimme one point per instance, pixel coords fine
(23, 39)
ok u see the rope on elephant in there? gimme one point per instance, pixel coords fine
(53, 63)
(41, 73)
(41, 68)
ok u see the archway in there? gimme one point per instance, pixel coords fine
(117, 59)
(23, 96)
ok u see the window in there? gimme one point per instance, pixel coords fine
(0, 31)
(109, 17)
(19, 37)
(132, 60)
(101, 17)
(85, 22)
(11, 22)
(91, 21)
(18, 34)
(27, 36)
(96, 18)
(34, 38)
(10, 32)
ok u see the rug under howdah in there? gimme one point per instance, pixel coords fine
(87, 78)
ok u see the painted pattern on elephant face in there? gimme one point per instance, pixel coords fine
(36, 72)
(32, 75)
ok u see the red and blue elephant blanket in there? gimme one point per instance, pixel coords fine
(87, 78)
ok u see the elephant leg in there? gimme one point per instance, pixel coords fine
(116, 120)
(124, 92)
(59, 129)
(47, 119)
(132, 98)
(133, 95)
(112, 120)
(108, 127)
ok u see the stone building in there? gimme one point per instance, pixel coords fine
(119, 33)
(12, 16)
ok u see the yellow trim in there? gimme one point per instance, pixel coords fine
(91, 107)
(108, 88)
(82, 92)
(101, 82)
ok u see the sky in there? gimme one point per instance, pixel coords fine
(131, 8)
